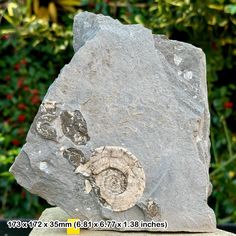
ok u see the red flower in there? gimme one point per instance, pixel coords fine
(22, 106)
(5, 36)
(34, 91)
(21, 118)
(35, 100)
(20, 82)
(228, 105)
(15, 142)
(23, 194)
(23, 61)
(9, 96)
(7, 78)
(17, 67)
(26, 88)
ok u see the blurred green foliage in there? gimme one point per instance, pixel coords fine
(36, 39)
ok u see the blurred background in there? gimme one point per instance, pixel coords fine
(36, 41)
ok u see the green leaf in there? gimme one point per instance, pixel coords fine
(230, 9)
(11, 8)
(9, 19)
(139, 19)
(216, 7)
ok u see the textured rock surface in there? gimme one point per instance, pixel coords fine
(126, 120)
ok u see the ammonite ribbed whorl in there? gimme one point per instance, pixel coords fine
(118, 175)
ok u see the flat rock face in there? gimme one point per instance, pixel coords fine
(55, 213)
(123, 132)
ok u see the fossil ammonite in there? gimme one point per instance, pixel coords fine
(118, 175)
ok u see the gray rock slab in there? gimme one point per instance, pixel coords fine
(55, 213)
(123, 132)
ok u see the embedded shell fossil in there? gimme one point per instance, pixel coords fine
(118, 175)
(44, 120)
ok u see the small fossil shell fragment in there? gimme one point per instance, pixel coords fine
(43, 122)
(74, 127)
(48, 107)
(152, 208)
(118, 175)
(84, 169)
(188, 75)
(87, 186)
(74, 156)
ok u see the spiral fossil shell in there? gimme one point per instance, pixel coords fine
(118, 175)
(46, 117)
